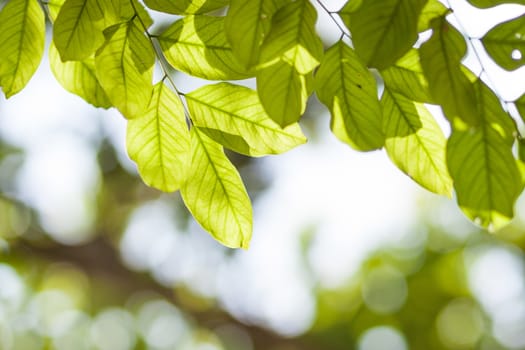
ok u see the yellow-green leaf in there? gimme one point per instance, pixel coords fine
(491, 3)
(433, 9)
(124, 68)
(505, 43)
(215, 193)
(233, 116)
(480, 160)
(79, 78)
(246, 25)
(197, 45)
(441, 59)
(77, 31)
(54, 7)
(415, 143)
(159, 141)
(349, 91)
(290, 52)
(22, 34)
(185, 7)
(382, 31)
(406, 78)
(520, 106)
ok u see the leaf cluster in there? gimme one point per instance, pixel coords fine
(376, 81)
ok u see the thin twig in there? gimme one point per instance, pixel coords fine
(334, 19)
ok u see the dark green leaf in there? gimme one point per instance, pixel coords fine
(491, 3)
(505, 43)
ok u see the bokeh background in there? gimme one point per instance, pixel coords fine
(347, 253)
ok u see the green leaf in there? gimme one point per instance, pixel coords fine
(415, 143)
(197, 45)
(54, 7)
(233, 116)
(480, 160)
(185, 7)
(520, 106)
(349, 91)
(406, 77)
(382, 31)
(79, 78)
(124, 68)
(77, 31)
(290, 52)
(505, 43)
(246, 25)
(118, 11)
(159, 141)
(433, 9)
(441, 59)
(22, 34)
(215, 194)
(491, 3)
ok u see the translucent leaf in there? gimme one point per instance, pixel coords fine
(491, 3)
(22, 32)
(124, 67)
(215, 194)
(349, 91)
(382, 31)
(406, 78)
(290, 52)
(480, 160)
(247, 23)
(505, 43)
(233, 116)
(79, 78)
(54, 7)
(77, 31)
(433, 9)
(159, 141)
(185, 7)
(520, 106)
(415, 143)
(197, 45)
(441, 59)
(118, 11)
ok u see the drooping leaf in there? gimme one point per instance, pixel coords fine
(349, 91)
(77, 31)
(441, 59)
(159, 141)
(22, 34)
(433, 9)
(185, 7)
(79, 78)
(480, 160)
(215, 193)
(197, 45)
(124, 68)
(415, 143)
(290, 52)
(406, 77)
(491, 3)
(233, 116)
(382, 31)
(505, 43)
(246, 24)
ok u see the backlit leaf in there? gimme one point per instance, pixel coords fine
(491, 3)
(441, 59)
(77, 31)
(124, 67)
(181, 7)
(433, 9)
(480, 160)
(159, 141)
(22, 32)
(349, 91)
(415, 143)
(215, 193)
(406, 78)
(290, 52)
(79, 78)
(382, 31)
(197, 45)
(233, 116)
(247, 23)
(520, 106)
(505, 43)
